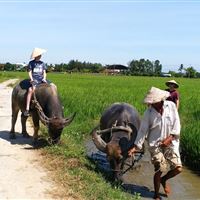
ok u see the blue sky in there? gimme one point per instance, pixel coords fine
(108, 32)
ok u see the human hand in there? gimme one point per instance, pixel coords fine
(32, 82)
(44, 81)
(131, 151)
(167, 141)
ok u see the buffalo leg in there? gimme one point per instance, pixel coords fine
(23, 123)
(36, 127)
(15, 111)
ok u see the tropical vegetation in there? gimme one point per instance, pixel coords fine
(141, 67)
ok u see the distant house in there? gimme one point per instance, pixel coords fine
(115, 69)
(165, 75)
(21, 66)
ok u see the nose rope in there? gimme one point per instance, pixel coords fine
(130, 166)
(39, 108)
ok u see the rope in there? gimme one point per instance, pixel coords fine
(42, 115)
(128, 130)
(133, 162)
(39, 109)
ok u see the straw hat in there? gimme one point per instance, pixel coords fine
(37, 52)
(172, 82)
(156, 95)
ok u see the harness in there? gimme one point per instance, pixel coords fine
(39, 108)
(134, 160)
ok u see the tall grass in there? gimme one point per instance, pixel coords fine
(89, 95)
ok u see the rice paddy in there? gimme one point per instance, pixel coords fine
(88, 96)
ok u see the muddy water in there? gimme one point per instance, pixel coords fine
(185, 186)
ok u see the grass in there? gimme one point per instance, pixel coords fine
(89, 95)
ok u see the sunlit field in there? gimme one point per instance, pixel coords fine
(89, 95)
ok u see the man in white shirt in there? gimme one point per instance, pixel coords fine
(161, 127)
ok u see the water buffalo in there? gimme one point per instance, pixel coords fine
(47, 108)
(118, 129)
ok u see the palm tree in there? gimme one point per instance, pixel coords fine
(181, 69)
(190, 72)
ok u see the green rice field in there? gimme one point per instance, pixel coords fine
(88, 96)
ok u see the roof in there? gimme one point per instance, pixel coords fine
(116, 67)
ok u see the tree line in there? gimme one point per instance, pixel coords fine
(142, 67)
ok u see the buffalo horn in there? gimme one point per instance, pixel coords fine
(68, 120)
(98, 141)
(114, 129)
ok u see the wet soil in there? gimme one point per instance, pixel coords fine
(184, 186)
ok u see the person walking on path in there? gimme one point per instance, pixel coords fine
(37, 75)
(161, 127)
(174, 94)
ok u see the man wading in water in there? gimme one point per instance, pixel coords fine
(161, 127)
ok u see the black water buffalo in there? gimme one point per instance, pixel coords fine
(118, 129)
(47, 108)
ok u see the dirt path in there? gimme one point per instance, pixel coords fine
(21, 176)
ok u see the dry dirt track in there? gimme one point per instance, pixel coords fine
(21, 176)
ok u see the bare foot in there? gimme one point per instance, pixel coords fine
(166, 187)
(157, 197)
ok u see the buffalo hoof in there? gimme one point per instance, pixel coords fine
(12, 136)
(54, 142)
(26, 135)
(35, 142)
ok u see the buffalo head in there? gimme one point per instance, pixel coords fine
(116, 150)
(55, 125)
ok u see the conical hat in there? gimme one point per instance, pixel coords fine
(156, 95)
(173, 82)
(37, 52)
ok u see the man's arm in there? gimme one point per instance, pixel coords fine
(177, 104)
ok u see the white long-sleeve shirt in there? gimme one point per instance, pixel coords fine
(156, 127)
